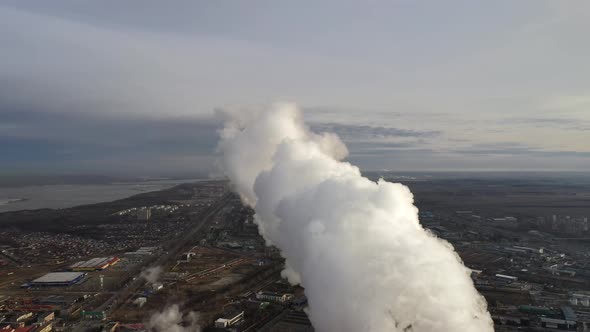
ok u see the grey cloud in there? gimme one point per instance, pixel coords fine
(383, 146)
(103, 129)
(372, 150)
(84, 85)
(497, 156)
(514, 149)
(542, 121)
(105, 143)
(549, 122)
(352, 132)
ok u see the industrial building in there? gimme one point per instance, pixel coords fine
(229, 319)
(293, 321)
(54, 279)
(559, 324)
(95, 264)
(143, 251)
(274, 297)
(580, 299)
(185, 257)
(506, 278)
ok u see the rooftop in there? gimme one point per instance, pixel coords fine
(58, 277)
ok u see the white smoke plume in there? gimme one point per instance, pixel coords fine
(140, 302)
(355, 245)
(172, 320)
(151, 275)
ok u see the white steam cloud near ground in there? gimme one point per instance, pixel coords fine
(171, 319)
(151, 275)
(355, 245)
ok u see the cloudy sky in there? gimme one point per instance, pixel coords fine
(130, 87)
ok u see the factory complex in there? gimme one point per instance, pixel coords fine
(95, 264)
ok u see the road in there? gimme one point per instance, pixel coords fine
(202, 219)
(121, 297)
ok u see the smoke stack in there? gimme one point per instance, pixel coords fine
(355, 245)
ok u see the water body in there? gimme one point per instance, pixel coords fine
(64, 196)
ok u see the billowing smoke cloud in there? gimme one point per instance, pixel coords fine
(172, 320)
(355, 245)
(152, 274)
